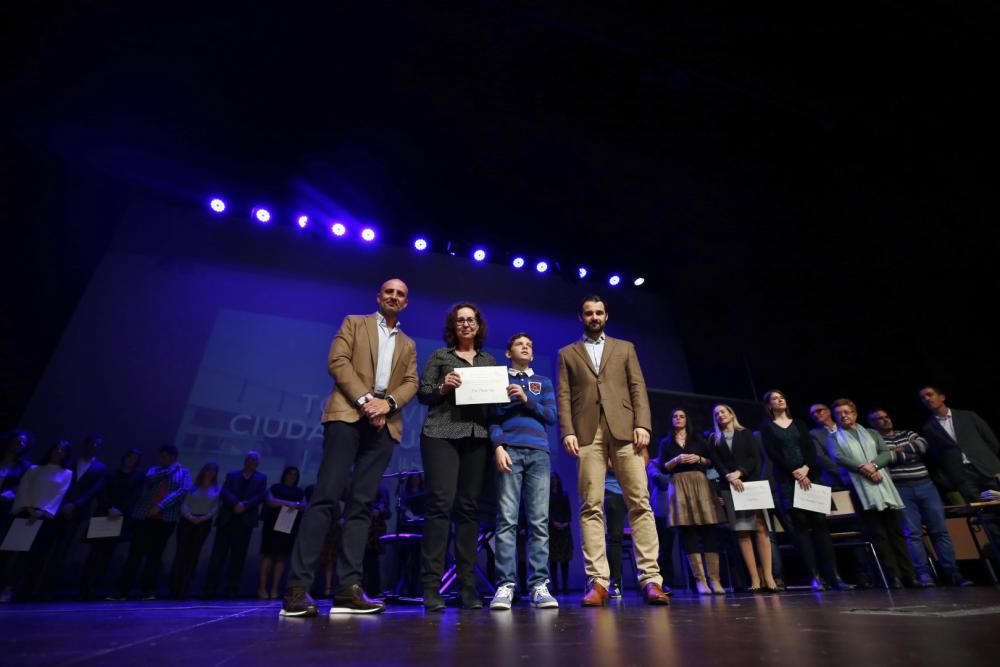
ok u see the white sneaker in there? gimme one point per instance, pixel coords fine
(541, 598)
(503, 598)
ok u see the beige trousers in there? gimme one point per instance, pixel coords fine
(630, 469)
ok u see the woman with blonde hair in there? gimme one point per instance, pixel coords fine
(736, 457)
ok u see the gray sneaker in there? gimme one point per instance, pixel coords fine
(503, 598)
(541, 598)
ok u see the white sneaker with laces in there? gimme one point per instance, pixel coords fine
(503, 598)
(541, 598)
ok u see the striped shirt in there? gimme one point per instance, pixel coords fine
(518, 424)
(908, 450)
(164, 488)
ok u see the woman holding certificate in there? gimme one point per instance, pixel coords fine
(736, 457)
(793, 456)
(692, 504)
(276, 545)
(455, 449)
(864, 455)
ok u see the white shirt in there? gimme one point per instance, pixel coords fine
(386, 348)
(949, 425)
(595, 348)
(42, 487)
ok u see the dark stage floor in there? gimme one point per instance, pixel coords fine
(939, 627)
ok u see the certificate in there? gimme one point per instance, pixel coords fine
(485, 384)
(816, 499)
(286, 519)
(755, 496)
(21, 535)
(104, 526)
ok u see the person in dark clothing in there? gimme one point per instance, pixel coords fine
(276, 545)
(117, 498)
(239, 511)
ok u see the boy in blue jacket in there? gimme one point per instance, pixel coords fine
(521, 450)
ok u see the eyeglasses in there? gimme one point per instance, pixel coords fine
(465, 320)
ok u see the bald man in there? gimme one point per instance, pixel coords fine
(374, 367)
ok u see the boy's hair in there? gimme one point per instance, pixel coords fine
(510, 342)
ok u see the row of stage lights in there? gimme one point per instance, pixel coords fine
(263, 215)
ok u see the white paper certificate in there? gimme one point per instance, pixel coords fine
(484, 384)
(104, 526)
(286, 519)
(21, 535)
(816, 499)
(755, 496)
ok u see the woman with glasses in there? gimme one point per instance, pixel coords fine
(455, 449)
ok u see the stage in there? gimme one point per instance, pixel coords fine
(945, 626)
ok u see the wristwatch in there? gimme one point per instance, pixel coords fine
(392, 403)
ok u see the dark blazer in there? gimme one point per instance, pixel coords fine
(830, 473)
(253, 495)
(782, 471)
(744, 456)
(83, 491)
(974, 437)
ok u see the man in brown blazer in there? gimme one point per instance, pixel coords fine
(604, 414)
(374, 367)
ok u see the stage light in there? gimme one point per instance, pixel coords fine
(639, 282)
(217, 205)
(518, 262)
(542, 267)
(368, 234)
(614, 280)
(338, 229)
(303, 221)
(582, 272)
(262, 215)
(420, 244)
(479, 255)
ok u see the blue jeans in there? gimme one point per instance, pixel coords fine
(924, 508)
(530, 469)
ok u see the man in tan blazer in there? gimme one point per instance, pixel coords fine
(604, 414)
(374, 367)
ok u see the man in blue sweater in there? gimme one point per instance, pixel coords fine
(521, 450)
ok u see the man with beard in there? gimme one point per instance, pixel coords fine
(604, 414)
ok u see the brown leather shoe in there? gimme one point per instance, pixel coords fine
(597, 596)
(354, 601)
(653, 593)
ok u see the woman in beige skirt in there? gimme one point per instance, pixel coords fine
(692, 504)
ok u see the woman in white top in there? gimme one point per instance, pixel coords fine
(38, 497)
(200, 507)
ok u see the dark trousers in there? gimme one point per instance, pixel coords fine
(454, 472)
(28, 566)
(695, 539)
(66, 536)
(614, 515)
(372, 577)
(190, 539)
(807, 528)
(885, 530)
(555, 571)
(149, 539)
(665, 537)
(345, 446)
(94, 568)
(232, 540)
